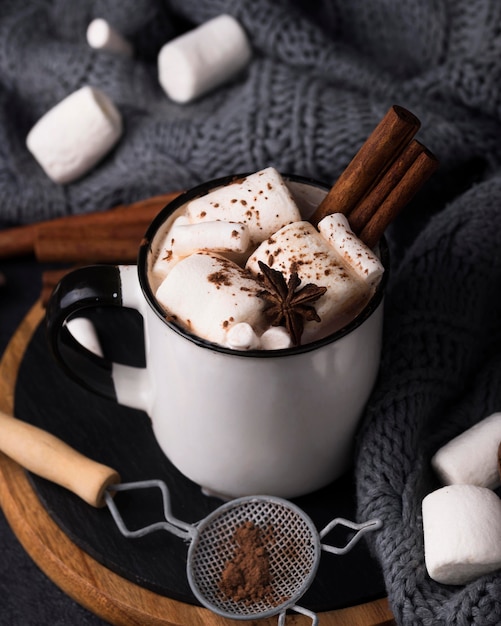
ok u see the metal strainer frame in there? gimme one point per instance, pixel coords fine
(294, 547)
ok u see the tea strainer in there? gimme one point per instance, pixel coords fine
(291, 540)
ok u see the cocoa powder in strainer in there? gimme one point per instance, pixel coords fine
(246, 576)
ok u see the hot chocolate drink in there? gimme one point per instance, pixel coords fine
(241, 267)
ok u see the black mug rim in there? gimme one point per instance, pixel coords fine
(201, 190)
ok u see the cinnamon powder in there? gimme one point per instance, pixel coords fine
(246, 577)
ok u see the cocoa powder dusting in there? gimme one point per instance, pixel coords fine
(246, 577)
(219, 278)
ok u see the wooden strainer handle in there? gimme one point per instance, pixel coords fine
(47, 456)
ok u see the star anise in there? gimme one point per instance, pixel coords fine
(285, 304)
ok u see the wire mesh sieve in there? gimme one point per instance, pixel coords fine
(292, 543)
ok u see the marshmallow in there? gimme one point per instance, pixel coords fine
(208, 294)
(261, 201)
(210, 236)
(300, 248)
(472, 457)
(241, 336)
(101, 36)
(75, 134)
(462, 530)
(275, 338)
(337, 231)
(164, 258)
(203, 58)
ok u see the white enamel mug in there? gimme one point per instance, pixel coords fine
(278, 422)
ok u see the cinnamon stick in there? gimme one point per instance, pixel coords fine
(367, 207)
(413, 179)
(20, 240)
(17, 241)
(380, 149)
(95, 251)
(107, 242)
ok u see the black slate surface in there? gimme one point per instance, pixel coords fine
(122, 438)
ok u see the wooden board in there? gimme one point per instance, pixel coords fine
(108, 594)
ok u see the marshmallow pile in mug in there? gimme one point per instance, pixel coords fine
(462, 520)
(73, 136)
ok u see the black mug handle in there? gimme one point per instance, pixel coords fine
(78, 291)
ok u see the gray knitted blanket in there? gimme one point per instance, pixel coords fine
(322, 75)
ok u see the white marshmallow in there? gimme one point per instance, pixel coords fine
(101, 36)
(261, 200)
(75, 134)
(336, 230)
(241, 336)
(207, 294)
(462, 530)
(472, 457)
(203, 58)
(215, 236)
(275, 338)
(164, 259)
(84, 331)
(300, 247)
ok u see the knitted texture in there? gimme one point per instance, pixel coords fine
(321, 77)
(439, 376)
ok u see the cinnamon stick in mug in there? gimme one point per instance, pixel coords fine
(363, 212)
(417, 174)
(380, 149)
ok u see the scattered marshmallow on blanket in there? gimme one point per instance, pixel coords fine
(203, 58)
(208, 294)
(472, 457)
(102, 36)
(462, 531)
(73, 136)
